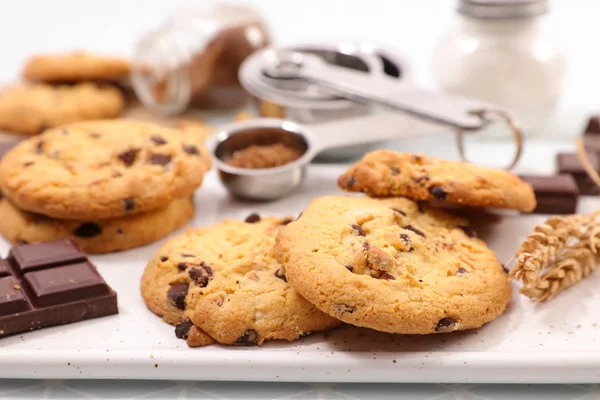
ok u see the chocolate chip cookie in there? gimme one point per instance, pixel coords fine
(95, 237)
(222, 283)
(392, 265)
(30, 109)
(388, 173)
(103, 169)
(74, 67)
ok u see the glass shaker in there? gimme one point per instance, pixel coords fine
(192, 60)
(504, 52)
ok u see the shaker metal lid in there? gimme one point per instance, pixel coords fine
(502, 9)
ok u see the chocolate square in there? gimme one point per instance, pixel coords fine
(555, 194)
(569, 163)
(593, 125)
(50, 283)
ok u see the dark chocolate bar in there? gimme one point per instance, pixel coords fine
(50, 283)
(569, 163)
(557, 194)
(593, 125)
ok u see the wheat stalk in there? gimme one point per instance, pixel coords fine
(556, 255)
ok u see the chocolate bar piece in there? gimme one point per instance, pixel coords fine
(50, 283)
(593, 125)
(556, 194)
(569, 163)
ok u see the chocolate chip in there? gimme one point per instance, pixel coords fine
(394, 171)
(201, 274)
(183, 329)
(182, 266)
(505, 268)
(385, 275)
(87, 230)
(285, 221)
(249, 338)
(406, 239)
(128, 157)
(421, 179)
(164, 258)
(445, 325)
(359, 230)
(413, 229)
(95, 135)
(344, 309)
(187, 255)
(252, 218)
(28, 163)
(350, 182)
(366, 246)
(158, 140)
(177, 293)
(159, 159)
(39, 147)
(280, 273)
(399, 211)
(119, 231)
(461, 270)
(128, 204)
(438, 192)
(191, 149)
(469, 231)
(420, 206)
(350, 268)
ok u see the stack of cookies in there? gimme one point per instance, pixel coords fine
(110, 185)
(395, 264)
(62, 89)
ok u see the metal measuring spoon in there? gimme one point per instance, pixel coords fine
(456, 111)
(273, 183)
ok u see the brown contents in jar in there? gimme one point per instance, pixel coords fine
(264, 156)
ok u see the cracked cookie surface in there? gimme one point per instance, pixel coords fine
(30, 109)
(75, 66)
(388, 173)
(392, 265)
(95, 237)
(103, 169)
(222, 283)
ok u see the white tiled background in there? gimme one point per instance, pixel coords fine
(112, 26)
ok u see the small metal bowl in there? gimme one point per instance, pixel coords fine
(268, 183)
(304, 103)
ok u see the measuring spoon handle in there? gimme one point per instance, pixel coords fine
(446, 109)
(368, 129)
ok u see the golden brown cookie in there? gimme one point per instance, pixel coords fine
(223, 283)
(103, 169)
(30, 109)
(389, 265)
(388, 173)
(95, 237)
(74, 67)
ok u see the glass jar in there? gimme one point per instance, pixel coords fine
(193, 59)
(504, 52)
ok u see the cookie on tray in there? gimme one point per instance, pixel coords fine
(74, 67)
(392, 265)
(385, 173)
(222, 284)
(103, 169)
(30, 109)
(95, 237)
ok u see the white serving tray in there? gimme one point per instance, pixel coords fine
(547, 343)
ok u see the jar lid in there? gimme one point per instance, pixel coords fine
(502, 9)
